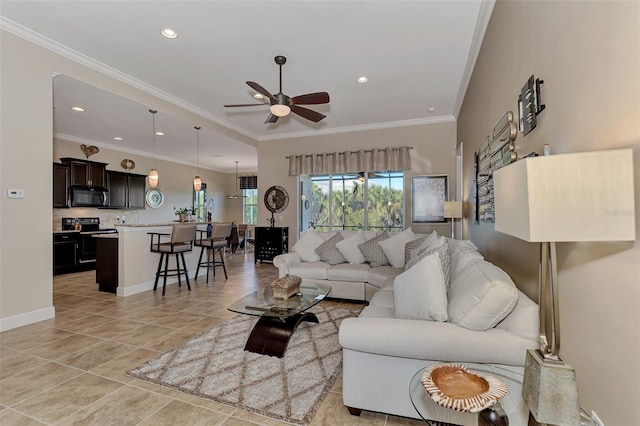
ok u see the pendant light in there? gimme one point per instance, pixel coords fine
(197, 182)
(237, 195)
(153, 173)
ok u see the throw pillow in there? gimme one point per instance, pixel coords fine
(393, 247)
(412, 248)
(328, 251)
(349, 248)
(305, 247)
(481, 296)
(440, 247)
(373, 252)
(419, 293)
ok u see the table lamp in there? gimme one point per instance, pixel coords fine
(562, 198)
(453, 211)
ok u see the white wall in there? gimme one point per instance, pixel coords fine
(587, 55)
(433, 153)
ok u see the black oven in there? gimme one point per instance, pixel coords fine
(87, 227)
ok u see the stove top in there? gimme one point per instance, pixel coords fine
(86, 223)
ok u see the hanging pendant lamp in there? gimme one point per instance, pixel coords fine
(197, 182)
(153, 173)
(237, 195)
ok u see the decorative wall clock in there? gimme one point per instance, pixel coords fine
(276, 199)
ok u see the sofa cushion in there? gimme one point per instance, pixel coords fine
(373, 252)
(310, 270)
(383, 299)
(412, 248)
(348, 272)
(393, 247)
(350, 250)
(440, 246)
(524, 320)
(461, 253)
(378, 275)
(305, 247)
(420, 293)
(328, 251)
(481, 296)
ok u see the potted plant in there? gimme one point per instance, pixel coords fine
(185, 213)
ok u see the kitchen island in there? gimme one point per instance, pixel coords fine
(137, 265)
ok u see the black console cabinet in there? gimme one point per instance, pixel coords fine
(270, 242)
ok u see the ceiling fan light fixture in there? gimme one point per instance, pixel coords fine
(280, 110)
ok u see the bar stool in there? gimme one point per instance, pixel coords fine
(181, 242)
(216, 242)
(244, 233)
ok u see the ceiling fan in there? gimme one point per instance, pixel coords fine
(282, 105)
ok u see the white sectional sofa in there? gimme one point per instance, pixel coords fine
(421, 316)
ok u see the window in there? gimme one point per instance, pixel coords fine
(200, 203)
(372, 200)
(250, 206)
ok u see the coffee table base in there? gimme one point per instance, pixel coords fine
(271, 335)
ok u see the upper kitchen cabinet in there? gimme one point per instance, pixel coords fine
(61, 181)
(86, 173)
(126, 190)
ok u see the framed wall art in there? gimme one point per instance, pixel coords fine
(428, 194)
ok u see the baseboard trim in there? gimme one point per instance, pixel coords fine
(27, 318)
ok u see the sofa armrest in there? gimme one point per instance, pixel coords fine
(286, 261)
(431, 340)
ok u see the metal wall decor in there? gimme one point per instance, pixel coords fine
(495, 152)
(529, 105)
(128, 164)
(89, 150)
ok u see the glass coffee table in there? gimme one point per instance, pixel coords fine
(510, 410)
(278, 318)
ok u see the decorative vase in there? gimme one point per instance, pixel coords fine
(183, 217)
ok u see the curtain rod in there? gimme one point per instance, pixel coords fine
(344, 152)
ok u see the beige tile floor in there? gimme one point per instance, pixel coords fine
(70, 370)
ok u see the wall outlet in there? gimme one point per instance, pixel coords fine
(15, 193)
(596, 420)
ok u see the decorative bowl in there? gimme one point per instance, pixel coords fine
(454, 386)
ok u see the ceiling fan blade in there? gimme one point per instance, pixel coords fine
(261, 90)
(271, 119)
(307, 113)
(311, 99)
(243, 105)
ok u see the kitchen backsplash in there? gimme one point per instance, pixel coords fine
(107, 217)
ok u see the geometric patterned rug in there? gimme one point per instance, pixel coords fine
(214, 365)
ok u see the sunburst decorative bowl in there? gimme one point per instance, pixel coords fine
(453, 386)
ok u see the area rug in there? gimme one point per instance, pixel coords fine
(290, 389)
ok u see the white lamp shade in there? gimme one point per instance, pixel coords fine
(569, 197)
(153, 178)
(453, 209)
(280, 110)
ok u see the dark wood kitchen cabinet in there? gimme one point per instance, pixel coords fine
(107, 263)
(61, 181)
(126, 190)
(65, 253)
(86, 173)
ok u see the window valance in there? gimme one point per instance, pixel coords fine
(378, 160)
(248, 182)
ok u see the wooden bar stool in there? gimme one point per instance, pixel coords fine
(218, 240)
(181, 242)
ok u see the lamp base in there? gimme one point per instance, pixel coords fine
(550, 390)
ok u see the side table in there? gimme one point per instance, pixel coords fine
(511, 406)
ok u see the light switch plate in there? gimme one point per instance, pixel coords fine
(15, 193)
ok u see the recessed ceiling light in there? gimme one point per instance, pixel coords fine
(77, 109)
(258, 96)
(362, 80)
(432, 109)
(159, 133)
(118, 138)
(169, 33)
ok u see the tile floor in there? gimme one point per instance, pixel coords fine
(70, 370)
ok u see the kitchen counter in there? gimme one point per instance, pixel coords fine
(150, 225)
(112, 235)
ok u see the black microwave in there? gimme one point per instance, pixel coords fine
(83, 196)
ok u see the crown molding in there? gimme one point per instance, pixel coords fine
(56, 47)
(484, 15)
(362, 128)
